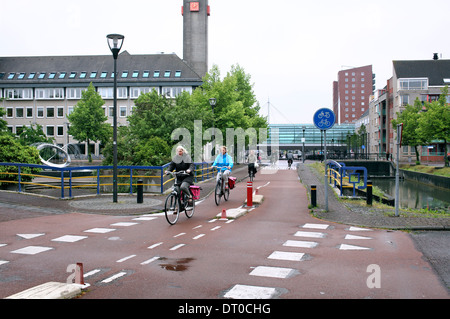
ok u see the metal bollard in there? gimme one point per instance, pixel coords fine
(249, 194)
(313, 196)
(140, 191)
(369, 193)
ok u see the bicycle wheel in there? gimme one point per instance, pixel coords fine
(172, 209)
(218, 193)
(226, 194)
(189, 210)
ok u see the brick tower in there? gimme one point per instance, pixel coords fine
(195, 35)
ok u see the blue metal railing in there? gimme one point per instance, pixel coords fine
(338, 171)
(65, 178)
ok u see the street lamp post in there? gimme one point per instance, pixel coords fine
(212, 102)
(115, 42)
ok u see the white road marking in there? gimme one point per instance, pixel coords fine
(283, 255)
(144, 218)
(352, 247)
(2, 262)
(31, 250)
(177, 246)
(300, 243)
(91, 273)
(150, 260)
(114, 277)
(125, 258)
(99, 230)
(155, 245)
(30, 236)
(316, 226)
(250, 292)
(359, 229)
(69, 238)
(356, 237)
(198, 236)
(215, 228)
(124, 224)
(180, 234)
(309, 234)
(274, 272)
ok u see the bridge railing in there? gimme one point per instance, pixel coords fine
(346, 176)
(97, 179)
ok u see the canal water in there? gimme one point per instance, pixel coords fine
(416, 195)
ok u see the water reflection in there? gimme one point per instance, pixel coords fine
(416, 195)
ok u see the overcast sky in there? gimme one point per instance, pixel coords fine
(293, 49)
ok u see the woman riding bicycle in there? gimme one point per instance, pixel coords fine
(223, 160)
(183, 162)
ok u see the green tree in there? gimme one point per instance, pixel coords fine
(410, 118)
(88, 120)
(14, 152)
(31, 135)
(434, 123)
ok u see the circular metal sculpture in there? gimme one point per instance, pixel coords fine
(53, 155)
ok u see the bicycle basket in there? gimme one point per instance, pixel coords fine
(195, 190)
(231, 182)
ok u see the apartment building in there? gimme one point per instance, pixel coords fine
(351, 93)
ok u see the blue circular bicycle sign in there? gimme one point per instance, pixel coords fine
(324, 119)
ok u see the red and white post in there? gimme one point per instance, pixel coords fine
(249, 194)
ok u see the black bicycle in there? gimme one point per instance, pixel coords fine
(177, 202)
(221, 189)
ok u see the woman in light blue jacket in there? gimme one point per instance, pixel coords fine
(224, 161)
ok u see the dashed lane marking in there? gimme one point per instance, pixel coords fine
(316, 226)
(125, 258)
(114, 277)
(198, 236)
(31, 250)
(309, 234)
(356, 237)
(99, 230)
(155, 245)
(274, 272)
(359, 229)
(300, 243)
(150, 260)
(69, 238)
(352, 247)
(124, 224)
(2, 262)
(30, 236)
(251, 292)
(283, 255)
(177, 246)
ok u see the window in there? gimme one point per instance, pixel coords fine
(72, 75)
(122, 111)
(41, 75)
(135, 74)
(31, 75)
(9, 112)
(62, 75)
(103, 75)
(93, 75)
(145, 74)
(156, 74)
(124, 74)
(106, 93)
(177, 74)
(50, 112)
(19, 94)
(60, 130)
(50, 130)
(52, 75)
(404, 99)
(83, 75)
(11, 76)
(60, 111)
(413, 84)
(29, 112)
(74, 93)
(51, 93)
(122, 93)
(40, 112)
(21, 76)
(167, 74)
(19, 112)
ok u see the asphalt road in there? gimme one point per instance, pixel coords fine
(276, 250)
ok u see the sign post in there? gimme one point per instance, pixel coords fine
(397, 172)
(324, 119)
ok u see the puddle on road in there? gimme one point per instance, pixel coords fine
(175, 264)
